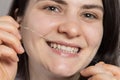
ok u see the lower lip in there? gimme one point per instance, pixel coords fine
(64, 54)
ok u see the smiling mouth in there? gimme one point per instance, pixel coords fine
(64, 48)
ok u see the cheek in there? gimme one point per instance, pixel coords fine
(41, 24)
(94, 36)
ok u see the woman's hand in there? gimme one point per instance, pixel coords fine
(102, 71)
(9, 47)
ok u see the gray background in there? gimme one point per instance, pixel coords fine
(5, 6)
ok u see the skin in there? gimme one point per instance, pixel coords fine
(9, 47)
(68, 26)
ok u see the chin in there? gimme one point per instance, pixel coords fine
(63, 74)
(63, 71)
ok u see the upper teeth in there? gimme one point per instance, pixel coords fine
(64, 48)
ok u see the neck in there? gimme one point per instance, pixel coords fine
(37, 72)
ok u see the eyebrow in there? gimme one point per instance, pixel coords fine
(60, 1)
(86, 6)
(93, 6)
(57, 1)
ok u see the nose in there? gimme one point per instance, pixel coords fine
(70, 29)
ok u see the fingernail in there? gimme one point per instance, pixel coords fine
(81, 71)
(21, 49)
(19, 36)
(101, 63)
(17, 59)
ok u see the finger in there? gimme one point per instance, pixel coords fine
(11, 41)
(115, 70)
(8, 54)
(102, 76)
(9, 19)
(8, 27)
(3, 73)
(93, 70)
(0, 42)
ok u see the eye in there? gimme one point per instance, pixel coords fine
(52, 8)
(90, 15)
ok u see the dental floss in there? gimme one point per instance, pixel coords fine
(33, 31)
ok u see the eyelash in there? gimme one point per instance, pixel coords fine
(58, 9)
(90, 15)
(52, 8)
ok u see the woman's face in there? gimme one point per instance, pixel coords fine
(72, 31)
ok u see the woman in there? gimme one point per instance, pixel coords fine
(63, 40)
